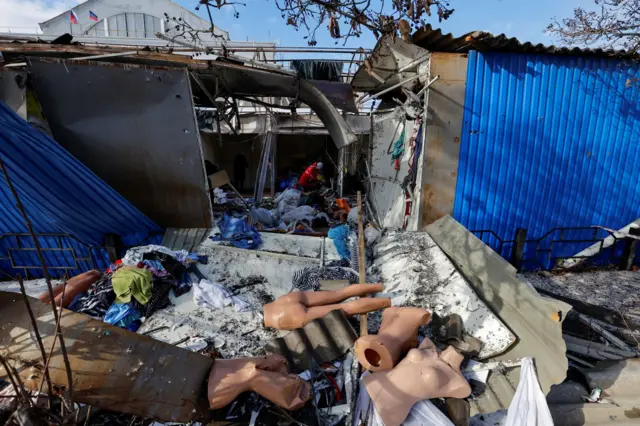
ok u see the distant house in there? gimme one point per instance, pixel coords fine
(135, 22)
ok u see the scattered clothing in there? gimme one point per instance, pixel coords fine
(288, 200)
(340, 237)
(97, 300)
(265, 218)
(159, 296)
(134, 283)
(155, 267)
(122, 315)
(238, 232)
(135, 255)
(309, 278)
(208, 294)
(219, 196)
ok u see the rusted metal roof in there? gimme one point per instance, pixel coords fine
(435, 40)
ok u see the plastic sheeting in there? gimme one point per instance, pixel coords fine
(61, 196)
(310, 69)
(529, 405)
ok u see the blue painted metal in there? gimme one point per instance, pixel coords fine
(61, 196)
(548, 141)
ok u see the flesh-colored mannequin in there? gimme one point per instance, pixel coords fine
(295, 310)
(267, 376)
(398, 333)
(75, 286)
(423, 374)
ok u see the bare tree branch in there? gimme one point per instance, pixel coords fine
(345, 19)
(611, 24)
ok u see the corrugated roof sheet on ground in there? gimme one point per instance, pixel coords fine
(61, 196)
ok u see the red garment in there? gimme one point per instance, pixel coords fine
(310, 175)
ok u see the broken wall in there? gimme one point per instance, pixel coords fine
(388, 196)
(443, 131)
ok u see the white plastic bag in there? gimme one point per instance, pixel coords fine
(529, 405)
(288, 200)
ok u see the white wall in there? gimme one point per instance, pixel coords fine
(106, 8)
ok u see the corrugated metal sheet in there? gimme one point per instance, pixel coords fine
(322, 340)
(435, 40)
(188, 239)
(61, 196)
(546, 142)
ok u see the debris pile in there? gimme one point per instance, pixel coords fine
(270, 334)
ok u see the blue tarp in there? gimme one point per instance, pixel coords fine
(61, 196)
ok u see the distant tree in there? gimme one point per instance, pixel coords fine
(344, 19)
(611, 24)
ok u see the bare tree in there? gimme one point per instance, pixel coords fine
(611, 24)
(344, 19)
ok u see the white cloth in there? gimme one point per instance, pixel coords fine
(208, 294)
(134, 255)
(529, 405)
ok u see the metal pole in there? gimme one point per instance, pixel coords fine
(364, 323)
(34, 324)
(47, 277)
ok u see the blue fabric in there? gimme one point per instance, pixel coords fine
(340, 237)
(238, 232)
(61, 196)
(121, 315)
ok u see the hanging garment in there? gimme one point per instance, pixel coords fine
(130, 283)
(310, 69)
(97, 300)
(309, 278)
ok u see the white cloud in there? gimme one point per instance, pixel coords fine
(24, 15)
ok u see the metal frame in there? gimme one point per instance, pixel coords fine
(520, 247)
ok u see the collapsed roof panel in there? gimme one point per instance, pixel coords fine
(135, 128)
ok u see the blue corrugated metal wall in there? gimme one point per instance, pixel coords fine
(548, 141)
(61, 196)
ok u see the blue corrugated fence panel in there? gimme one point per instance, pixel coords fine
(61, 196)
(548, 141)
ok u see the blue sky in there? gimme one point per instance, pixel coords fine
(260, 20)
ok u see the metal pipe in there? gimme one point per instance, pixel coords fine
(36, 243)
(367, 98)
(109, 55)
(424, 89)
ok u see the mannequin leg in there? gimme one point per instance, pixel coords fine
(356, 307)
(319, 298)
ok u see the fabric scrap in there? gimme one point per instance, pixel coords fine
(97, 300)
(122, 315)
(309, 278)
(238, 232)
(135, 255)
(340, 237)
(212, 295)
(132, 283)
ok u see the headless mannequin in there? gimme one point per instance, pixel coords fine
(75, 286)
(267, 376)
(423, 374)
(295, 310)
(398, 333)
